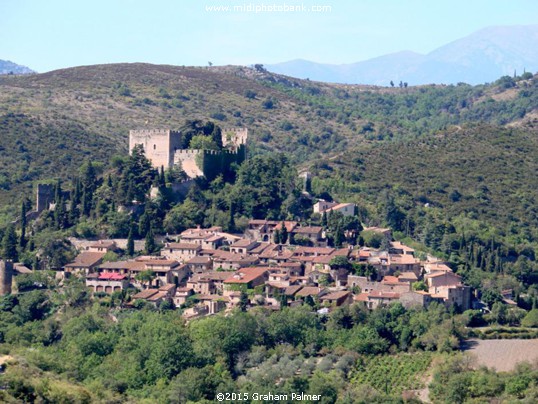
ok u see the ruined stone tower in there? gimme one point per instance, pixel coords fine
(159, 145)
(6, 277)
(45, 196)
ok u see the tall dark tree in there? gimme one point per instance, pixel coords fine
(284, 234)
(130, 241)
(150, 245)
(9, 244)
(22, 239)
(243, 301)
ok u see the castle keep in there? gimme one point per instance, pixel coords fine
(163, 149)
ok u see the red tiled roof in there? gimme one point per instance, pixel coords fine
(361, 297)
(314, 250)
(111, 276)
(86, 259)
(244, 242)
(289, 226)
(246, 275)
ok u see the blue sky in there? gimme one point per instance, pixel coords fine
(51, 34)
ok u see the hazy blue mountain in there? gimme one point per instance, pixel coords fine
(481, 57)
(7, 67)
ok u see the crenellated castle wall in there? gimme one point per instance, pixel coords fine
(162, 148)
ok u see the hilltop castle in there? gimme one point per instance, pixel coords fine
(163, 149)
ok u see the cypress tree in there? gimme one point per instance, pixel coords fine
(22, 240)
(150, 241)
(130, 241)
(231, 219)
(9, 244)
(284, 234)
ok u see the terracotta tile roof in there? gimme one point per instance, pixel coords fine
(338, 207)
(313, 250)
(103, 243)
(407, 276)
(390, 279)
(404, 259)
(289, 226)
(127, 265)
(244, 242)
(361, 297)
(290, 265)
(159, 295)
(257, 221)
(167, 287)
(336, 295)
(208, 252)
(86, 259)
(322, 259)
(260, 248)
(214, 238)
(309, 291)
(199, 260)
(155, 263)
(292, 290)
(308, 230)
(183, 246)
(400, 246)
(246, 275)
(145, 294)
(341, 252)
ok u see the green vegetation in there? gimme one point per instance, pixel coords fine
(393, 374)
(455, 381)
(61, 337)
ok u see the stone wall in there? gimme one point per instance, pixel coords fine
(6, 277)
(159, 145)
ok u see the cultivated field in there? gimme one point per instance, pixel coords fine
(503, 354)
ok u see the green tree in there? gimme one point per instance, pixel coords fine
(130, 242)
(9, 244)
(150, 245)
(201, 142)
(145, 277)
(283, 233)
(531, 319)
(22, 239)
(243, 301)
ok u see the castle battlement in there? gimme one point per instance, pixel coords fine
(163, 148)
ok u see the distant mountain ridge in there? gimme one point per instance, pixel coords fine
(481, 57)
(8, 67)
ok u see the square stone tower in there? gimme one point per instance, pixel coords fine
(159, 145)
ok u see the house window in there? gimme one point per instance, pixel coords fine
(154, 147)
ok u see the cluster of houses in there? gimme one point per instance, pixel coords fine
(207, 270)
